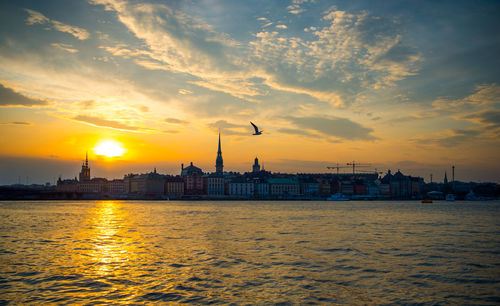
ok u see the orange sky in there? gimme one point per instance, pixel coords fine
(163, 79)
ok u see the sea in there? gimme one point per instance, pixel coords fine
(250, 252)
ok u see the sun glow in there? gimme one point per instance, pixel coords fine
(109, 148)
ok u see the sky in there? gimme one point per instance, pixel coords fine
(409, 85)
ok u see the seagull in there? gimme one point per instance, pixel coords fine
(257, 132)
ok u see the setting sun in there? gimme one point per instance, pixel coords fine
(109, 148)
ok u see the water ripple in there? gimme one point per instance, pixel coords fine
(282, 253)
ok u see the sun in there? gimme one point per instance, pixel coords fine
(109, 148)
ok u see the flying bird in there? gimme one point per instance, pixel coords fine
(257, 132)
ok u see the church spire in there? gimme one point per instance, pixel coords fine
(218, 161)
(219, 152)
(86, 158)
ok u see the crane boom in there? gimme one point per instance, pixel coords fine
(336, 167)
(355, 164)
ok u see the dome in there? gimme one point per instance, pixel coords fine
(191, 170)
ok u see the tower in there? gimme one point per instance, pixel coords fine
(445, 178)
(218, 161)
(85, 172)
(256, 166)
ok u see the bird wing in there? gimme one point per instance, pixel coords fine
(255, 127)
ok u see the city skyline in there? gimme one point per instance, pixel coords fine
(341, 169)
(411, 86)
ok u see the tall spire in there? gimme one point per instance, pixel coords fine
(218, 161)
(86, 158)
(219, 152)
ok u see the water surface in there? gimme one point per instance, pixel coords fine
(250, 252)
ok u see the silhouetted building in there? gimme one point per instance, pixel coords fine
(219, 165)
(256, 166)
(281, 186)
(67, 185)
(85, 172)
(116, 186)
(215, 184)
(95, 185)
(174, 186)
(241, 187)
(145, 184)
(193, 180)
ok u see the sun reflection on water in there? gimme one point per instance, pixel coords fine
(111, 241)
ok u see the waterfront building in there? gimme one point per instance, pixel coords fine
(215, 184)
(70, 185)
(116, 186)
(359, 188)
(324, 187)
(174, 186)
(309, 187)
(219, 165)
(146, 184)
(281, 186)
(256, 166)
(261, 189)
(241, 187)
(193, 180)
(85, 172)
(347, 187)
(95, 185)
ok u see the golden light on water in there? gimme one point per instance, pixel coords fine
(109, 148)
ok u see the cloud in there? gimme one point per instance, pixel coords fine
(175, 121)
(295, 8)
(101, 122)
(142, 108)
(483, 95)
(333, 126)
(341, 54)
(281, 26)
(184, 91)
(228, 128)
(9, 97)
(453, 137)
(87, 104)
(489, 118)
(415, 117)
(38, 18)
(65, 47)
(17, 123)
(298, 132)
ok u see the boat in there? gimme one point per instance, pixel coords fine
(426, 201)
(450, 197)
(338, 197)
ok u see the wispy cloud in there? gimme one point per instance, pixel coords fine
(342, 52)
(23, 123)
(9, 97)
(449, 138)
(298, 132)
(489, 118)
(296, 6)
(333, 126)
(65, 47)
(38, 18)
(483, 96)
(175, 121)
(228, 128)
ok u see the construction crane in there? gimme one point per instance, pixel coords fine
(336, 167)
(355, 164)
